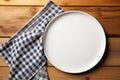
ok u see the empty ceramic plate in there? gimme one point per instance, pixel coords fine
(74, 42)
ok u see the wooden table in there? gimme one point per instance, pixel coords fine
(15, 13)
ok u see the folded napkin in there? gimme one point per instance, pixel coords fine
(24, 51)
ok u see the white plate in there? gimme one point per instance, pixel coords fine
(74, 42)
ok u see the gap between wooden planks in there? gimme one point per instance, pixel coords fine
(63, 2)
(100, 73)
(111, 57)
(16, 17)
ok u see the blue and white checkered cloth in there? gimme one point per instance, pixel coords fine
(24, 51)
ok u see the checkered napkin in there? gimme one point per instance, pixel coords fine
(24, 51)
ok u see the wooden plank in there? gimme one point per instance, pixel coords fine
(111, 57)
(4, 72)
(2, 40)
(100, 73)
(111, 27)
(63, 2)
(99, 12)
(16, 17)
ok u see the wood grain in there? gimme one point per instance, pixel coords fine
(2, 40)
(111, 57)
(4, 71)
(100, 73)
(16, 17)
(63, 2)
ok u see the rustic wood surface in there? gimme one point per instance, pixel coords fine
(106, 11)
(63, 2)
(108, 16)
